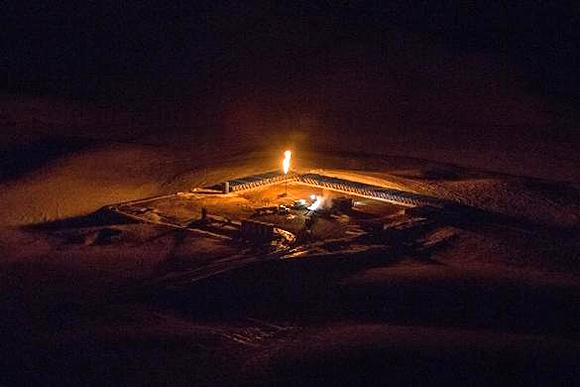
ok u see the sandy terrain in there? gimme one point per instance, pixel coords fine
(87, 303)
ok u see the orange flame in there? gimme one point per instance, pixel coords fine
(286, 161)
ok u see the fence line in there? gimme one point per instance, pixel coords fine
(336, 184)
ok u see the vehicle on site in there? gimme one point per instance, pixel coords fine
(266, 210)
(283, 209)
(273, 210)
(300, 204)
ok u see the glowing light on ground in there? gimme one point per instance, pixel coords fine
(317, 203)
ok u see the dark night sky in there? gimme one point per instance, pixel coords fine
(498, 79)
(135, 48)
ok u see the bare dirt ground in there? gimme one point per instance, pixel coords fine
(88, 302)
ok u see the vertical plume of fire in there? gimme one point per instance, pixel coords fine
(286, 161)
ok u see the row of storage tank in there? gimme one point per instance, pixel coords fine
(401, 197)
(333, 183)
(255, 181)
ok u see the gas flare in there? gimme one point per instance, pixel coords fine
(286, 161)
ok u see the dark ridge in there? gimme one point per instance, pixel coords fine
(312, 291)
(22, 159)
(102, 217)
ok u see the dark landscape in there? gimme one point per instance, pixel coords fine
(423, 230)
